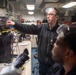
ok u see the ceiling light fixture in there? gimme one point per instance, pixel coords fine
(30, 7)
(71, 4)
(30, 12)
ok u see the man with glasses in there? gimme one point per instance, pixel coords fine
(64, 53)
(46, 37)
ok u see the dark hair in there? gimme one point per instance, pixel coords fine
(70, 38)
(57, 11)
(44, 21)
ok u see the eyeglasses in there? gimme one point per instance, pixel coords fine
(51, 14)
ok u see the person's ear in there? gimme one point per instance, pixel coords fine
(57, 16)
(69, 53)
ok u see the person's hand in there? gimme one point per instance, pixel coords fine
(9, 22)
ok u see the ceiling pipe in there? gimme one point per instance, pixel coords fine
(38, 3)
(51, 0)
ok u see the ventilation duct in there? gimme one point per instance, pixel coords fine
(51, 5)
(51, 0)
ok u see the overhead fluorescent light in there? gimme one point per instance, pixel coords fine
(71, 4)
(31, 12)
(30, 7)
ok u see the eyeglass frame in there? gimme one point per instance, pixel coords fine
(51, 14)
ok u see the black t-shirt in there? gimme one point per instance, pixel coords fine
(57, 69)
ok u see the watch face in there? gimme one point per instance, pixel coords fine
(11, 26)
